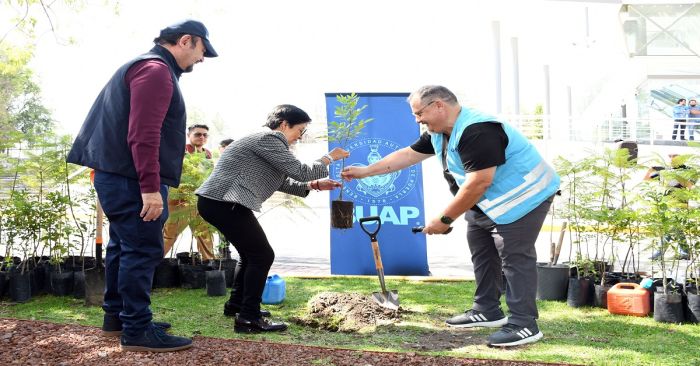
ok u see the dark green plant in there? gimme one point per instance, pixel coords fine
(585, 267)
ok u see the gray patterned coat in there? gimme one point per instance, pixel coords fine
(252, 168)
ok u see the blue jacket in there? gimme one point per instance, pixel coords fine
(521, 184)
(102, 141)
(680, 111)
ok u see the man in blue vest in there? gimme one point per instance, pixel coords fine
(134, 139)
(504, 189)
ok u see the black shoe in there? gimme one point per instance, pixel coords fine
(154, 339)
(473, 318)
(257, 325)
(112, 325)
(232, 310)
(515, 335)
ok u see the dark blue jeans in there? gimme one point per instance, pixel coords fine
(134, 250)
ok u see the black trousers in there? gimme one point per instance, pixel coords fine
(509, 248)
(240, 227)
(680, 124)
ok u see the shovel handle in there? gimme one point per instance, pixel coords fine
(98, 232)
(378, 264)
(372, 234)
(557, 250)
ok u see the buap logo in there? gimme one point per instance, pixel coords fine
(381, 189)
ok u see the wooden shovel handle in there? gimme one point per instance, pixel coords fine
(377, 256)
(562, 232)
(100, 219)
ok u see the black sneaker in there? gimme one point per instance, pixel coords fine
(233, 310)
(473, 318)
(515, 335)
(256, 326)
(154, 339)
(112, 325)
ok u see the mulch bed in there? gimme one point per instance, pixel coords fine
(25, 342)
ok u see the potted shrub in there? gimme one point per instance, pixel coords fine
(664, 217)
(346, 127)
(216, 277)
(21, 233)
(580, 292)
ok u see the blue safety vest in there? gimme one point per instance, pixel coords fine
(521, 184)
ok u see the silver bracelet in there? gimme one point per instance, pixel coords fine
(330, 158)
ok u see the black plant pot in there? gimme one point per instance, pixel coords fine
(193, 276)
(185, 258)
(167, 274)
(600, 298)
(341, 214)
(79, 284)
(692, 310)
(20, 285)
(37, 278)
(62, 283)
(580, 292)
(216, 283)
(76, 263)
(4, 283)
(228, 266)
(668, 308)
(552, 281)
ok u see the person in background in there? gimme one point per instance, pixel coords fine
(693, 118)
(680, 115)
(223, 144)
(504, 189)
(183, 212)
(250, 170)
(134, 139)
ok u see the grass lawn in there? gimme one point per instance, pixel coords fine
(581, 336)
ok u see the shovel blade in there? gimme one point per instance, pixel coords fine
(94, 286)
(389, 299)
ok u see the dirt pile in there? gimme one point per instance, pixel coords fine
(346, 312)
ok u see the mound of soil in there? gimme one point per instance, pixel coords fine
(346, 312)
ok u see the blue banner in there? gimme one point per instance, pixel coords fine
(397, 198)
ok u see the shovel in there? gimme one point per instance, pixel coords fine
(385, 299)
(95, 277)
(557, 249)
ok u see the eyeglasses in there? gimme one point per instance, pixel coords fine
(419, 112)
(303, 132)
(201, 134)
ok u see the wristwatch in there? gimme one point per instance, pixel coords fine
(446, 220)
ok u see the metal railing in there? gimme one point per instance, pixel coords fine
(645, 131)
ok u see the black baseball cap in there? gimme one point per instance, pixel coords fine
(194, 28)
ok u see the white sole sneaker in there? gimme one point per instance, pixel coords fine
(526, 340)
(492, 324)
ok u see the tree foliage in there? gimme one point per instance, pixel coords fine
(21, 107)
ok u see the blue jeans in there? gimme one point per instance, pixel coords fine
(134, 250)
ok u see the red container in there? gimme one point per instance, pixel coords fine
(628, 299)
